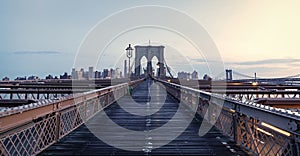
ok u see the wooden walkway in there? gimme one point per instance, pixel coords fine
(83, 142)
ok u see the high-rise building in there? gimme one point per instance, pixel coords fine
(91, 73)
(125, 68)
(105, 73)
(97, 74)
(117, 73)
(184, 75)
(195, 75)
(74, 74)
(81, 76)
(112, 73)
(86, 75)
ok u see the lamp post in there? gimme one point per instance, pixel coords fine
(129, 55)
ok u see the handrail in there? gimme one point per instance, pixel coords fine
(263, 130)
(242, 107)
(29, 130)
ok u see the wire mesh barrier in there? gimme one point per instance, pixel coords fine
(255, 137)
(31, 139)
(33, 94)
(260, 94)
(262, 140)
(28, 132)
(259, 130)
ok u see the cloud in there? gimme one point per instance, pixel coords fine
(203, 61)
(37, 52)
(267, 61)
(199, 60)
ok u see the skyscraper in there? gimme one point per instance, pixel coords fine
(91, 73)
(105, 73)
(74, 74)
(195, 75)
(117, 73)
(125, 68)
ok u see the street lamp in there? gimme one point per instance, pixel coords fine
(129, 55)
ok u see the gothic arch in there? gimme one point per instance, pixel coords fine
(143, 63)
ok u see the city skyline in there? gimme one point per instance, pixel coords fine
(93, 73)
(252, 36)
(80, 73)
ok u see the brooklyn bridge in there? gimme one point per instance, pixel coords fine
(150, 114)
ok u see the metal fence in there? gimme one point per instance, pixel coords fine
(260, 130)
(28, 132)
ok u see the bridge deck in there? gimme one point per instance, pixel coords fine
(82, 141)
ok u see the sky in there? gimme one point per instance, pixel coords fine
(41, 37)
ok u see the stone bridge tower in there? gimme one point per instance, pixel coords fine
(149, 52)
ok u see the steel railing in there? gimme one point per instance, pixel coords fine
(259, 129)
(30, 130)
